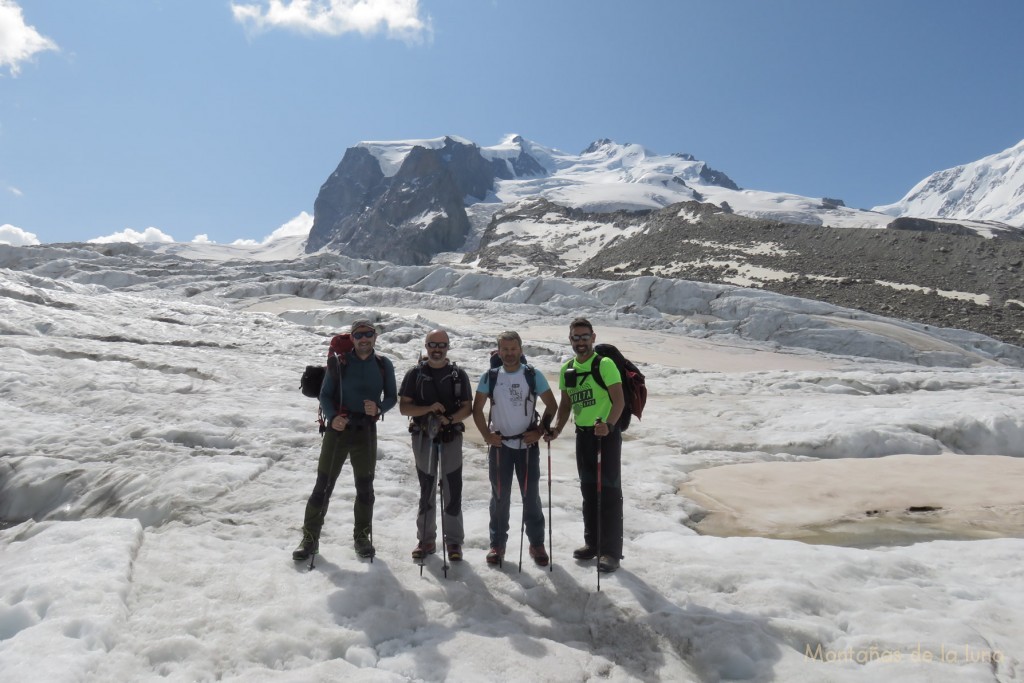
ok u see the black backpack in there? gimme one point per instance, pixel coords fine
(634, 384)
(461, 392)
(312, 379)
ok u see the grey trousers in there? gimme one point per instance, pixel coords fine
(427, 456)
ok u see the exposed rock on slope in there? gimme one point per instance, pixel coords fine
(408, 217)
(947, 280)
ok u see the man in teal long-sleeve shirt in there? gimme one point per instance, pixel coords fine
(368, 390)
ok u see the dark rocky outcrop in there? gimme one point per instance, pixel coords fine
(415, 214)
(713, 177)
(947, 227)
(353, 187)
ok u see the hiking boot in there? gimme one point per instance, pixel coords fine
(607, 564)
(364, 548)
(454, 552)
(424, 549)
(584, 553)
(308, 546)
(539, 555)
(495, 556)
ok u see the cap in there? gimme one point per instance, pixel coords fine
(362, 323)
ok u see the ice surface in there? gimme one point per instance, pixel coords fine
(156, 455)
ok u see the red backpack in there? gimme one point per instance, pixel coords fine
(313, 377)
(634, 384)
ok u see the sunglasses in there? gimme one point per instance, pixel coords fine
(437, 345)
(581, 337)
(363, 335)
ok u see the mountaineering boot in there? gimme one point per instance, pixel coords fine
(454, 552)
(539, 555)
(585, 552)
(607, 564)
(495, 556)
(423, 549)
(364, 548)
(308, 546)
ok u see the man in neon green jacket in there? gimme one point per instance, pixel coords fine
(596, 412)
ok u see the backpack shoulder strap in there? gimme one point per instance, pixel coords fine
(531, 377)
(460, 381)
(492, 379)
(595, 370)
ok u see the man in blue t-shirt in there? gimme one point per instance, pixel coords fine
(513, 434)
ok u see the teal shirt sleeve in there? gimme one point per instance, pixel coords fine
(390, 399)
(542, 382)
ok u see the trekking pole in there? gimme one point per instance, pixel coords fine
(334, 451)
(334, 455)
(440, 512)
(497, 467)
(423, 506)
(551, 543)
(551, 549)
(523, 490)
(598, 506)
(370, 530)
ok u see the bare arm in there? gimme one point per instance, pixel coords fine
(618, 404)
(550, 407)
(490, 438)
(562, 416)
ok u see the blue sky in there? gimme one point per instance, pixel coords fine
(224, 118)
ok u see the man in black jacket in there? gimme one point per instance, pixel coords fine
(435, 394)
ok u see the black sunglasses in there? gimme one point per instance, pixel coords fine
(363, 335)
(580, 337)
(437, 345)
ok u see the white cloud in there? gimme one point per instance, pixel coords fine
(300, 225)
(398, 18)
(16, 237)
(296, 227)
(202, 239)
(135, 237)
(19, 42)
(15, 191)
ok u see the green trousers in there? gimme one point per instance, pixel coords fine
(360, 445)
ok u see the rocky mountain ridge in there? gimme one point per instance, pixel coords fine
(933, 277)
(616, 211)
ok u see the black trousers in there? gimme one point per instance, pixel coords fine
(359, 443)
(587, 446)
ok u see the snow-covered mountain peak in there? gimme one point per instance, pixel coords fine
(989, 189)
(513, 146)
(391, 153)
(624, 154)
